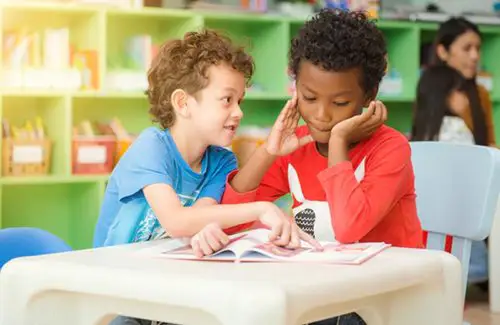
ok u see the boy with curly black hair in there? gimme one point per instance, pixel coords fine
(350, 176)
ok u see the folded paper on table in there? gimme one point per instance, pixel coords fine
(254, 246)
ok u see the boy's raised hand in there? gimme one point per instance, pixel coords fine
(209, 240)
(282, 139)
(361, 126)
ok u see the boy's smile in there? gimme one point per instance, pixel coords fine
(327, 97)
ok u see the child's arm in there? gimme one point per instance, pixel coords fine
(281, 141)
(357, 208)
(148, 171)
(180, 221)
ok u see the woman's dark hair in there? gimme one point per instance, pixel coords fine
(447, 33)
(433, 92)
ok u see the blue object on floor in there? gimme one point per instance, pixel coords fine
(25, 241)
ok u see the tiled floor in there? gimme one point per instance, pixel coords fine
(477, 311)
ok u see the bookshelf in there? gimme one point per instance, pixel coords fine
(68, 204)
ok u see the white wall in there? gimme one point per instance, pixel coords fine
(451, 6)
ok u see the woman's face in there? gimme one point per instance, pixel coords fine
(464, 54)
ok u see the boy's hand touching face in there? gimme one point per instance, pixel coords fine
(360, 126)
(209, 240)
(282, 140)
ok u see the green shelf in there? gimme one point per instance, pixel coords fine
(68, 205)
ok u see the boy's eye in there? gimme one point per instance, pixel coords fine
(226, 100)
(341, 103)
(308, 99)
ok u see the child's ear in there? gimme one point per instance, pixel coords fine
(179, 99)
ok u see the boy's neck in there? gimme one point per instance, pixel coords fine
(191, 150)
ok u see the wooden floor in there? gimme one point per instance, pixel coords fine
(477, 311)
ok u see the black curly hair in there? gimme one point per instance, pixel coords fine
(339, 40)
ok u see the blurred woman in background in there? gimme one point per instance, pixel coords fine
(451, 106)
(458, 45)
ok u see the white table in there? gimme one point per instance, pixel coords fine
(400, 286)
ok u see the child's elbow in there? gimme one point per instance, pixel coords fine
(177, 229)
(346, 236)
(175, 232)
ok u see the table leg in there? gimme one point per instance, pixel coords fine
(263, 305)
(494, 263)
(439, 301)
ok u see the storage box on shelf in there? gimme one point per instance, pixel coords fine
(93, 155)
(26, 157)
(33, 134)
(110, 52)
(97, 147)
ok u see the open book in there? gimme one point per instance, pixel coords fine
(254, 246)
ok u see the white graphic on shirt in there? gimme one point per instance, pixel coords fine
(314, 216)
(453, 129)
(150, 228)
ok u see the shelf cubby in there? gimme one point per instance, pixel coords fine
(68, 204)
(266, 40)
(17, 109)
(48, 28)
(133, 113)
(68, 210)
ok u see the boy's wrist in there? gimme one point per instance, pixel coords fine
(264, 153)
(337, 150)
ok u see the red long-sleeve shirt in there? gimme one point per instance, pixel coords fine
(369, 198)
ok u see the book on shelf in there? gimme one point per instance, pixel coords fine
(254, 246)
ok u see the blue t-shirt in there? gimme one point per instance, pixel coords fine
(126, 216)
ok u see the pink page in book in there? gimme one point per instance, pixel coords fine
(278, 251)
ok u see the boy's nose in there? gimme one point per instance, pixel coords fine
(237, 112)
(321, 113)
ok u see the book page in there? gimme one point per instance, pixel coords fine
(269, 250)
(343, 253)
(187, 252)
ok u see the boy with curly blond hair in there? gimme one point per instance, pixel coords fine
(171, 179)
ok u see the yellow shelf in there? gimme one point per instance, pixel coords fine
(51, 179)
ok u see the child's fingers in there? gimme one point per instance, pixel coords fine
(378, 117)
(294, 237)
(309, 239)
(283, 113)
(284, 237)
(383, 109)
(204, 245)
(220, 236)
(368, 114)
(213, 240)
(294, 119)
(195, 244)
(275, 232)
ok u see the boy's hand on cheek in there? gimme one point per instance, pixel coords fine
(209, 240)
(282, 139)
(360, 126)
